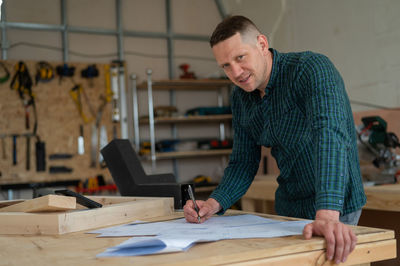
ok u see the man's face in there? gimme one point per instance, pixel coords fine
(244, 63)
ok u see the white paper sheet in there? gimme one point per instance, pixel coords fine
(179, 235)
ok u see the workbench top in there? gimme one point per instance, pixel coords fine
(81, 249)
(382, 197)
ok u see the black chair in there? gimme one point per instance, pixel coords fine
(131, 179)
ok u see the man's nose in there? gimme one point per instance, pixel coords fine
(236, 70)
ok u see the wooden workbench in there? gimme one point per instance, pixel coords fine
(81, 249)
(261, 196)
(382, 209)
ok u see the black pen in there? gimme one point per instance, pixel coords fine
(191, 195)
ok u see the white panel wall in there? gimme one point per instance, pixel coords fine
(361, 37)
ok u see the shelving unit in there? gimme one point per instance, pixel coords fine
(188, 119)
(152, 121)
(189, 154)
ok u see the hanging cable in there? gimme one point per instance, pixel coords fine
(105, 55)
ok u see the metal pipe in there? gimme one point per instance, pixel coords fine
(190, 37)
(151, 120)
(35, 26)
(4, 40)
(123, 109)
(120, 41)
(88, 30)
(221, 9)
(169, 40)
(64, 31)
(171, 73)
(135, 109)
(10, 194)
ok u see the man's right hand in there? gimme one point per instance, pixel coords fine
(207, 209)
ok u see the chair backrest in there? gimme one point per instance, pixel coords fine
(124, 165)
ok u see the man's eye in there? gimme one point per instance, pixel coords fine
(240, 57)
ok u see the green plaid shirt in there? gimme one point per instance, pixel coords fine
(306, 118)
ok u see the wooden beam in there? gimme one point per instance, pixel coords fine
(48, 203)
(116, 210)
(362, 255)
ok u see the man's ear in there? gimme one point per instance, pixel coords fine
(262, 41)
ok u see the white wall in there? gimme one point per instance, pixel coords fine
(361, 37)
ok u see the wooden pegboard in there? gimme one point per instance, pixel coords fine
(58, 125)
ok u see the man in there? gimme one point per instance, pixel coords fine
(295, 103)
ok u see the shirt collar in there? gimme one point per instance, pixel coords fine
(275, 69)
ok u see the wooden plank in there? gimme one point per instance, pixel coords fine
(5, 203)
(54, 223)
(362, 254)
(48, 203)
(195, 153)
(115, 214)
(262, 188)
(187, 85)
(188, 119)
(384, 197)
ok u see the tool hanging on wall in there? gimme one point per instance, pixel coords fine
(3, 146)
(40, 152)
(22, 83)
(76, 93)
(14, 149)
(5, 73)
(107, 78)
(60, 169)
(119, 111)
(103, 143)
(65, 71)
(90, 72)
(81, 141)
(94, 140)
(93, 146)
(44, 72)
(28, 152)
(109, 97)
(115, 94)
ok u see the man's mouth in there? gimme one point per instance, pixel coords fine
(244, 79)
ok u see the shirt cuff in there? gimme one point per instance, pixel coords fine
(330, 200)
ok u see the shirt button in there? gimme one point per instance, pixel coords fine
(340, 201)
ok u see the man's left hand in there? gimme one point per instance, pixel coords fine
(340, 238)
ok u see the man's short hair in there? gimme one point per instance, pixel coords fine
(230, 26)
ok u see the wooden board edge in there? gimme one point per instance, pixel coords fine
(20, 223)
(124, 212)
(56, 223)
(43, 204)
(364, 253)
